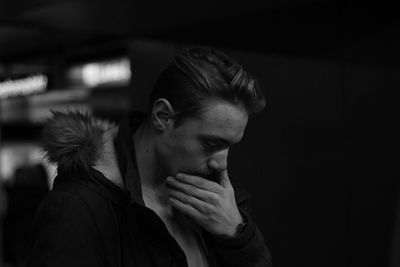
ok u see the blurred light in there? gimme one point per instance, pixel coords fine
(23, 86)
(112, 72)
(17, 154)
(37, 107)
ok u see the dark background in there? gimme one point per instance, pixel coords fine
(320, 162)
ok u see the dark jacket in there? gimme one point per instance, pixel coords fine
(87, 220)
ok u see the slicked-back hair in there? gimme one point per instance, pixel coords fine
(199, 75)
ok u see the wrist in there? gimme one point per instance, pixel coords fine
(241, 239)
(237, 227)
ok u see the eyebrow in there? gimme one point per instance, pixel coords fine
(217, 139)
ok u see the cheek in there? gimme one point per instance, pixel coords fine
(184, 154)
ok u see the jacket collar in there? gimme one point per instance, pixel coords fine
(126, 155)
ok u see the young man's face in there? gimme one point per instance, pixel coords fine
(193, 145)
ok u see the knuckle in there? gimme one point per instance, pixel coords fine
(191, 189)
(208, 211)
(219, 190)
(213, 200)
(188, 189)
(185, 198)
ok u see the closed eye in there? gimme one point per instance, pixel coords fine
(212, 143)
(212, 146)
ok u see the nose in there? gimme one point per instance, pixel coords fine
(219, 160)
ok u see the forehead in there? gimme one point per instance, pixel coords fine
(220, 119)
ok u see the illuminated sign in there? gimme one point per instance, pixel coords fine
(111, 72)
(23, 86)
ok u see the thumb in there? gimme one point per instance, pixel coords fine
(224, 179)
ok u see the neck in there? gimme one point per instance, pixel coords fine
(151, 174)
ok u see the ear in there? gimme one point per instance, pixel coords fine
(162, 114)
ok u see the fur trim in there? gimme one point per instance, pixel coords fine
(73, 139)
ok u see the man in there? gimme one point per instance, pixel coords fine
(154, 190)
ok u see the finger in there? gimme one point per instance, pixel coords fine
(191, 190)
(186, 209)
(224, 179)
(199, 182)
(201, 206)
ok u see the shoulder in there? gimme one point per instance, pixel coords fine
(69, 199)
(66, 214)
(65, 231)
(59, 205)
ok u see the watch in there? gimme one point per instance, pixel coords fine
(240, 227)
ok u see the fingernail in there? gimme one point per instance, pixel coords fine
(179, 175)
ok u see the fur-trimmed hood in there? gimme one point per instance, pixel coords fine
(76, 140)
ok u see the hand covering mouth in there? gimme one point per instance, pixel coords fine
(212, 176)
